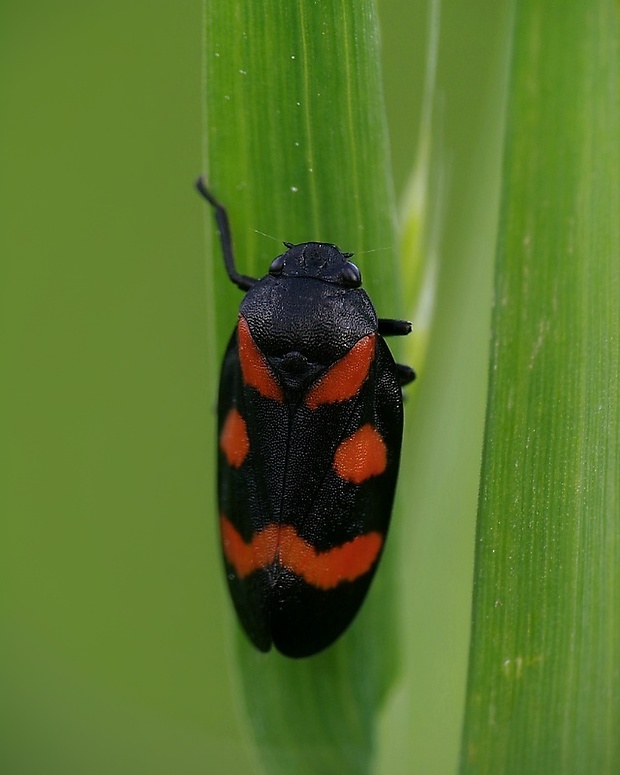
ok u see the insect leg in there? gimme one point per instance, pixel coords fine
(223, 227)
(405, 374)
(389, 327)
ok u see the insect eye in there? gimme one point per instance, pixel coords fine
(277, 265)
(350, 275)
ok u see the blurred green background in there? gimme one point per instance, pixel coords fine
(115, 645)
(112, 658)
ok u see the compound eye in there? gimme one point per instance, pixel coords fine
(277, 265)
(350, 275)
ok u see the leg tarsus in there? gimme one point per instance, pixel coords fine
(405, 374)
(389, 327)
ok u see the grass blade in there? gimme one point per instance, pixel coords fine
(296, 148)
(544, 693)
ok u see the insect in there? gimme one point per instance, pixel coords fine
(310, 424)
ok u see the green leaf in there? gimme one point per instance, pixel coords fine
(544, 685)
(297, 149)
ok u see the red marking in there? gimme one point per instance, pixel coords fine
(244, 557)
(328, 569)
(254, 367)
(324, 570)
(234, 441)
(345, 377)
(361, 456)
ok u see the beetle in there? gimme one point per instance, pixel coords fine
(310, 419)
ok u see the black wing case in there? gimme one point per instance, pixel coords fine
(287, 501)
(253, 439)
(331, 511)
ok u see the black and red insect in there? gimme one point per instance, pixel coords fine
(310, 418)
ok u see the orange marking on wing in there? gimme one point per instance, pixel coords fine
(254, 367)
(361, 456)
(248, 557)
(324, 570)
(234, 441)
(345, 377)
(327, 570)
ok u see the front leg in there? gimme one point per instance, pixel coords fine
(389, 327)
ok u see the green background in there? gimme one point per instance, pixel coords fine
(116, 630)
